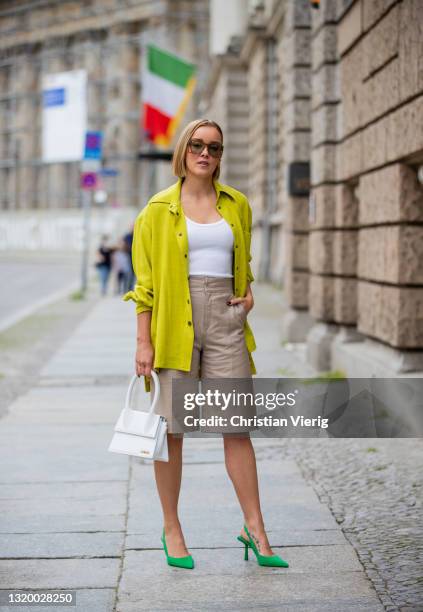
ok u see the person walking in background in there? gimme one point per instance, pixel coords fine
(104, 263)
(121, 267)
(128, 238)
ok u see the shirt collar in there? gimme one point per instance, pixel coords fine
(175, 196)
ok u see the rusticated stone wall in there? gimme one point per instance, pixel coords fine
(350, 101)
(381, 102)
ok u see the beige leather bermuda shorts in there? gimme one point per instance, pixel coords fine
(219, 351)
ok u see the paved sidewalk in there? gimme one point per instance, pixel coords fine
(77, 517)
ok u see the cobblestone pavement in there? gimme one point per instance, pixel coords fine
(374, 488)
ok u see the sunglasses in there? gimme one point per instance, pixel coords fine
(196, 146)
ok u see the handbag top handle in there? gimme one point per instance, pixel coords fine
(135, 378)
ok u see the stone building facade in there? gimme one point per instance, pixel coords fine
(338, 90)
(106, 38)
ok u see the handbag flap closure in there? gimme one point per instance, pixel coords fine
(138, 423)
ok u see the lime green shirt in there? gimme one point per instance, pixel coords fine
(161, 264)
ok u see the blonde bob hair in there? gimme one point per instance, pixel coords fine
(179, 154)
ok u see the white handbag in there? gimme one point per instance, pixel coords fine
(142, 434)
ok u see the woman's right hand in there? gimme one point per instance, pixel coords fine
(144, 359)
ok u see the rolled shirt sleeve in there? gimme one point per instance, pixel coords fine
(142, 294)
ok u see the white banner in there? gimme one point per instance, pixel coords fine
(64, 116)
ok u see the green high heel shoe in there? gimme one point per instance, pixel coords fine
(268, 560)
(186, 562)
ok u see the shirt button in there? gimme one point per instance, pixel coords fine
(187, 301)
(186, 255)
(237, 268)
(236, 246)
(219, 207)
(179, 234)
(189, 323)
(232, 224)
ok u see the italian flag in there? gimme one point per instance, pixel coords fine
(168, 83)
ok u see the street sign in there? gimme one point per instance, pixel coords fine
(93, 142)
(88, 181)
(109, 172)
(54, 97)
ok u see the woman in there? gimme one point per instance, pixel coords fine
(191, 254)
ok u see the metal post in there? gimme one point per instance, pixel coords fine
(86, 207)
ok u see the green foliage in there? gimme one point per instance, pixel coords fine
(76, 296)
(286, 372)
(326, 376)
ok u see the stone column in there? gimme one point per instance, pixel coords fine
(257, 127)
(24, 87)
(295, 69)
(324, 240)
(228, 104)
(56, 58)
(122, 132)
(13, 139)
(5, 154)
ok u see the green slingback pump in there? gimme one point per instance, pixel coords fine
(267, 560)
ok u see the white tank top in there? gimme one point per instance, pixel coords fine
(210, 248)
